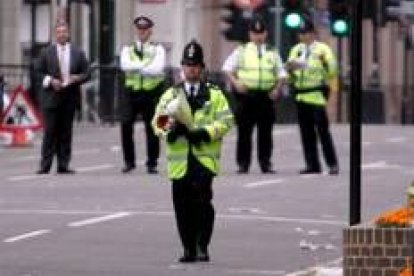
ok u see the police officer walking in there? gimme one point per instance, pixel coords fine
(311, 65)
(193, 153)
(143, 63)
(255, 70)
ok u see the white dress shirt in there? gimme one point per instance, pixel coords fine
(154, 68)
(63, 55)
(187, 87)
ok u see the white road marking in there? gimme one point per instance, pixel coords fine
(81, 169)
(26, 236)
(398, 139)
(26, 177)
(115, 148)
(32, 157)
(164, 214)
(379, 165)
(263, 183)
(96, 220)
(256, 272)
(314, 269)
(284, 219)
(246, 210)
(229, 271)
(95, 168)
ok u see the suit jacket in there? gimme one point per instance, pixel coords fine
(49, 66)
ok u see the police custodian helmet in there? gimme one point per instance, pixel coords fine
(143, 22)
(193, 54)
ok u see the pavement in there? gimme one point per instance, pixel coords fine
(102, 222)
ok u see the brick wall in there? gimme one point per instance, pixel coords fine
(372, 251)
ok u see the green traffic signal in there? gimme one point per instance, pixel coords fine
(293, 20)
(340, 27)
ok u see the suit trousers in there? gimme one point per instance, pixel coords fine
(313, 123)
(194, 211)
(57, 137)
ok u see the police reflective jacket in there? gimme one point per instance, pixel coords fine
(214, 116)
(257, 71)
(136, 81)
(319, 68)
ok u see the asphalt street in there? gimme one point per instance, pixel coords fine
(102, 222)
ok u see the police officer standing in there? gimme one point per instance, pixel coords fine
(255, 70)
(193, 154)
(311, 66)
(143, 63)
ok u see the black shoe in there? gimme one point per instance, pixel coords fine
(188, 257)
(309, 171)
(65, 171)
(203, 256)
(152, 170)
(42, 171)
(333, 170)
(128, 168)
(243, 170)
(268, 170)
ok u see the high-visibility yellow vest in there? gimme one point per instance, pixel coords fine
(320, 69)
(215, 117)
(136, 81)
(257, 73)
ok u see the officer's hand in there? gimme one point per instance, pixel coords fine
(274, 95)
(240, 88)
(56, 84)
(197, 136)
(176, 131)
(75, 79)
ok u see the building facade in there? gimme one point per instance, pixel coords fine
(387, 56)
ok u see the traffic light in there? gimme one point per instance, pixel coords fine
(235, 24)
(292, 14)
(340, 19)
(390, 10)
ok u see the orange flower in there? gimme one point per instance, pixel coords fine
(395, 218)
(406, 272)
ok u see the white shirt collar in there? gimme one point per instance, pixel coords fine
(64, 46)
(140, 44)
(187, 86)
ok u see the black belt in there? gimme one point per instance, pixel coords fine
(322, 88)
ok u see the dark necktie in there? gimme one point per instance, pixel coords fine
(191, 96)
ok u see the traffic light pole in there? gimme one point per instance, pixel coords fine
(355, 94)
(278, 22)
(340, 79)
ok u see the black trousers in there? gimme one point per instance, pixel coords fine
(313, 123)
(57, 137)
(194, 211)
(144, 103)
(254, 109)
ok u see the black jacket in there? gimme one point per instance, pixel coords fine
(49, 65)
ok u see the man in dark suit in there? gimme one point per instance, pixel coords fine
(63, 68)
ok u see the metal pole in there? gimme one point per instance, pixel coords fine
(340, 81)
(404, 98)
(32, 75)
(106, 58)
(92, 27)
(355, 94)
(278, 22)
